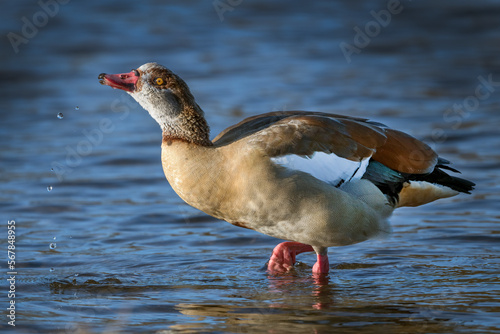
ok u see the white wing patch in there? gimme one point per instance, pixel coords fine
(326, 167)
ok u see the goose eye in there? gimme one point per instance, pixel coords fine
(159, 81)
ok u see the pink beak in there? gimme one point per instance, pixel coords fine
(124, 81)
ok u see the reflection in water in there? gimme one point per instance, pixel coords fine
(292, 312)
(321, 293)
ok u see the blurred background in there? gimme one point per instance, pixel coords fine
(103, 244)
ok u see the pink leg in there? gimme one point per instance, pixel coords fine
(283, 257)
(321, 266)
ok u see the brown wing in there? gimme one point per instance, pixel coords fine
(256, 123)
(406, 154)
(304, 133)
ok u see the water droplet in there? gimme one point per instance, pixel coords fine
(55, 238)
(76, 275)
(49, 188)
(60, 115)
(51, 269)
(77, 108)
(52, 169)
(52, 245)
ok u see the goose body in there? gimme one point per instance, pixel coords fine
(315, 179)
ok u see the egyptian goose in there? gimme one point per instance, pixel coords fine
(313, 178)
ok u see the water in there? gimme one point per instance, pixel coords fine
(132, 257)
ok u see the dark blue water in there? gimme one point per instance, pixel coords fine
(128, 255)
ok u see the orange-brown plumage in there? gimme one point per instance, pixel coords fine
(315, 178)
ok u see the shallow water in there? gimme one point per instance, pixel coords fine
(130, 256)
